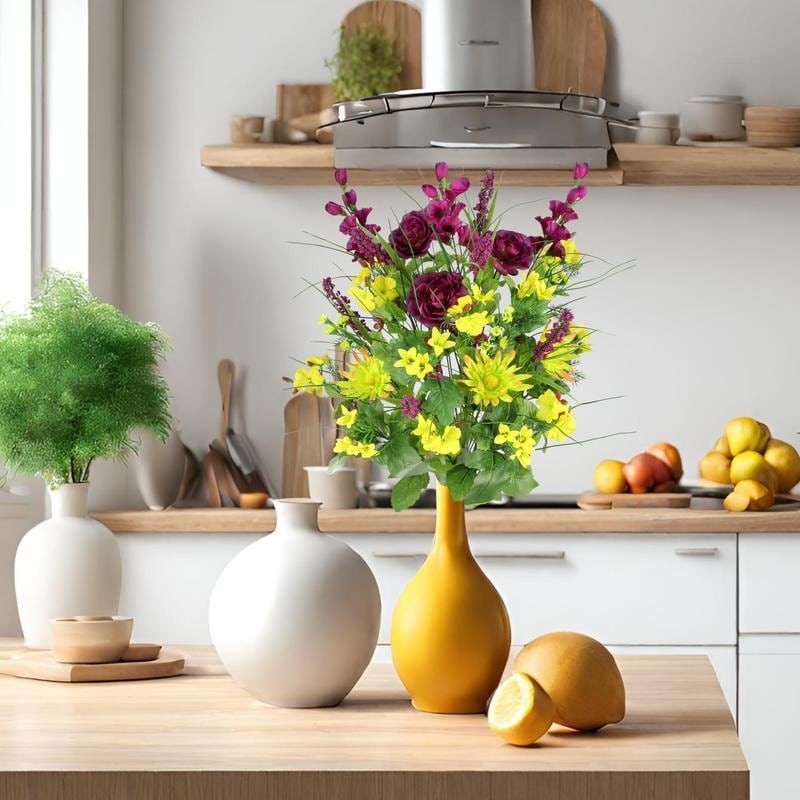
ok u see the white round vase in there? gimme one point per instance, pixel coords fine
(66, 566)
(295, 615)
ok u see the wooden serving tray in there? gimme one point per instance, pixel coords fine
(40, 665)
(594, 501)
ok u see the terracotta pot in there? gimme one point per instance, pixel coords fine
(450, 630)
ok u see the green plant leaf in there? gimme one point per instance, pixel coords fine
(397, 454)
(521, 483)
(460, 480)
(442, 399)
(406, 491)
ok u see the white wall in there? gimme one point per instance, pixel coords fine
(702, 330)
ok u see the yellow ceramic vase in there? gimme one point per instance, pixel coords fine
(450, 629)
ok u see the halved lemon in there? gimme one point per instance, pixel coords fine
(521, 712)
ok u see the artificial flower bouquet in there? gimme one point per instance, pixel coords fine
(462, 350)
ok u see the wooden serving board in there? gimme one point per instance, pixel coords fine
(39, 665)
(593, 501)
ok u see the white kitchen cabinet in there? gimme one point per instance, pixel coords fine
(769, 589)
(625, 589)
(769, 708)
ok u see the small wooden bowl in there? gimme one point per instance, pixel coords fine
(140, 651)
(90, 640)
(253, 499)
(772, 126)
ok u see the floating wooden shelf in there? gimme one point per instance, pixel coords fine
(634, 165)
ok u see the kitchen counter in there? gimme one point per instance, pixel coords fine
(199, 736)
(481, 520)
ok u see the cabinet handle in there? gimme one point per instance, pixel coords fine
(696, 551)
(544, 555)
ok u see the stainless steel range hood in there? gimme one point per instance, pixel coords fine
(479, 108)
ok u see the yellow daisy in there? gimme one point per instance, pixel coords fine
(366, 379)
(493, 378)
(440, 341)
(347, 418)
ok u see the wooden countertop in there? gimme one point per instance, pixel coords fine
(500, 520)
(201, 737)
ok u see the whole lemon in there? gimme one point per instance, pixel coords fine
(715, 466)
(608, 477)
(746, 433)
(751, 465)
(784, 459)
(579, 675)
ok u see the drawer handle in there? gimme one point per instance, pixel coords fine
(544, 555)
(696, 551)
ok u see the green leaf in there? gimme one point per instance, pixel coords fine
(489, 485)
(460, 480)
(406, 491)
(397, 454)
(442, 399)
(337, 461)
(521, 483)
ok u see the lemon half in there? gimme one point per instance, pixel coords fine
(521, 712)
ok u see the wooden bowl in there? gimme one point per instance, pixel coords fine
(90, 640)
(253, 499)
(772, 126)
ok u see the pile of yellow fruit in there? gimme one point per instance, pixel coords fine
(563, 677)
(758, 466)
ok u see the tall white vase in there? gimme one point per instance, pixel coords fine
(295, 615)
(66, 566)
(158, 467)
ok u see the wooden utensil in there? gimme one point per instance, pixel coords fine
(302, 442)
(593, 501)
(40, 665)
(401, 23)
(570, 47)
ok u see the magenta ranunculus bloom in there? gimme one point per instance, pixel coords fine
(432, 294)
(512, 252)
(440, 170)
(562, 211)
(429, 190)
(575, 194)
(340, 176)
(413, 236)
(334, 209)
(581, 171)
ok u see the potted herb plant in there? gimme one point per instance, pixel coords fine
(463, 360)
(77, 378)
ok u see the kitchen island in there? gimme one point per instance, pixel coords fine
(198, 737)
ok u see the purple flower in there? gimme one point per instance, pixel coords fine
(349, 198)
(581, 171)
(575, 194)
(430, 191)
(484, 198)
(431, 294)
(410, 406)
(340, 176)
(562, 211)
(512, 252)
(459, 186)
(334, 209)
(440, 170)
(551, 338)
(413, 236)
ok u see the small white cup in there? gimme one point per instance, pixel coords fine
(713, 117)
(333, 489)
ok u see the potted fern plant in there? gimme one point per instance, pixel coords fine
(77, 378)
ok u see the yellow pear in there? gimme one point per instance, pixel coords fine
(763, 440)
(745, 433)
(608, 477)
(722, 446)
(715, 466)
(784, 459)
(736, 501)
(579, 675)
(751, 465)
(761, 497)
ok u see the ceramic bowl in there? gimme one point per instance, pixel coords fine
(772, 126)
(333, 489)
(253, 499)
(90, 640)
(713, 118)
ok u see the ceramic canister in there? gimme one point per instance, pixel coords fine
(295, 615)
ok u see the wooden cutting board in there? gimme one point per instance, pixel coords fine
(402, 24)
(570, 46)
(302, 442)
(593, 501)
(40, 665)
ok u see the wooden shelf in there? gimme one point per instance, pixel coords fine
(312, 165)
(634, 165)
(384, 520)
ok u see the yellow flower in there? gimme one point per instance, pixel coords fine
(309, 380)
(425, 427)
(496, 330)
(562, 429)
(347, 418)
(493, 378)
(549, 407)
(446, 444)
(414, 363)
(535, 285)
(352, 448)
(508, 314)
(482, 297)
(384, 290)
(364, 298)
(503, 343)
(473, 324)
(362, 276)
(571, 253)
(343, 345)
(461, 307)
(343, 445)
(440, 341)
(504, 434)
(365, 450)
(317, 361)
(365, 380)
(521, 441)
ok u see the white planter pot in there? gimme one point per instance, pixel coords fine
(295, 615)
(66, 566)
(158, 468)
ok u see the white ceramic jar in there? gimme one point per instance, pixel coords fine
(66, 566)
(335, 489)
(295, 615)
(713, 118)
